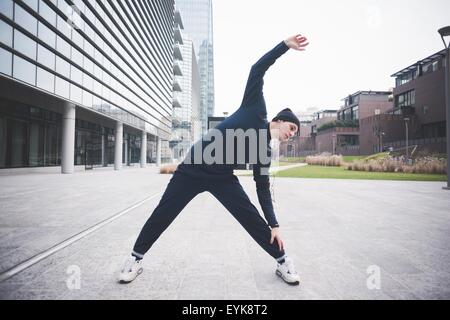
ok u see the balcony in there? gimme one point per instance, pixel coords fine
(408, 110)
(176, 103)
(177, 69)
(178, 37)
(177, 52)
(176, 86)
(178, 19)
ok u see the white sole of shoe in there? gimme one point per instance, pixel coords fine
(128, 280)
(292, 283)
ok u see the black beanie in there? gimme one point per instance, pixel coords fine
(287, 115)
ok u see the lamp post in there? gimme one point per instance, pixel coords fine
(445, 32)
(334, 143)
(407, 151)
(382, 133)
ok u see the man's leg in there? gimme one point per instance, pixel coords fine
(231, 194)
(179, 192)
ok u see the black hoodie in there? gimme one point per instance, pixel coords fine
(252, 114)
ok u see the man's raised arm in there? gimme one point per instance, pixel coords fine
(253, 89)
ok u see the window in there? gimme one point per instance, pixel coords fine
(98, 88)
(87, 82)
(98, 72)
(47, 13)
(88, 65)
(348, 114)
(62, 87)
(76, 93)
(6, 33)
(63, 26)
(76, 75)
(426, 68)
(63, 47)
(406, 99)
(89, 49)
(47, 35)
(24, 44)
(405, 78)
(435, 65)
(87, 99)
(62, 67)
(356, 113)
(425, 109)
(33, 4)
(46, 57)
(5, 62)
(25, 20)
(45, 80)
(96, 103)
(77, 57)
(77, 39)
(24, 70)
(6, 7)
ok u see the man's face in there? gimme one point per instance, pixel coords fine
(285, 130)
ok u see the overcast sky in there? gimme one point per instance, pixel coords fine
(354, 45)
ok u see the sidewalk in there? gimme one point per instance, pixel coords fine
(334, 230)
(41, 209)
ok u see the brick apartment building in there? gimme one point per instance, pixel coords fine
(419, 96)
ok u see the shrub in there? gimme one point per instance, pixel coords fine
(325, 159)
(429, 165)
(168, 168)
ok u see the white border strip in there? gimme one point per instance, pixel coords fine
(40, 256)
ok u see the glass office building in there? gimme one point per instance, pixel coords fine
(85, 82)
(197, 18)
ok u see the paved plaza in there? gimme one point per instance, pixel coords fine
(350, 239)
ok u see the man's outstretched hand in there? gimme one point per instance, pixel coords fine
(297, 42)
(275, 235)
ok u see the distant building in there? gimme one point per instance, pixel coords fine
(356, 109)
(198, 24)
(186, 98)
(419, 95)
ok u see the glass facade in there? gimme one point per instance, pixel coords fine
(198, 24)
(124, 48)
(113, 57)
(29, 136)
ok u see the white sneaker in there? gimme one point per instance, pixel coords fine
(286, 271)
(131, 269)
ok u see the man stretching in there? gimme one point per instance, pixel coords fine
(199, 173)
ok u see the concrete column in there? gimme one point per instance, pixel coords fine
(118, 146)
(125, 158)
(103, 150)
(68, 139)
(144, 149)
(158, 151)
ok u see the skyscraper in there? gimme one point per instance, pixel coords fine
(186, 96)
(198, 24)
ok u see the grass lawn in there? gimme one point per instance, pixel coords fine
(350, 159)
(347, 159)
(341, 173)
(282, 164)
(293, 159)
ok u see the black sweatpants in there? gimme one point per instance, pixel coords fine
(183, 188)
